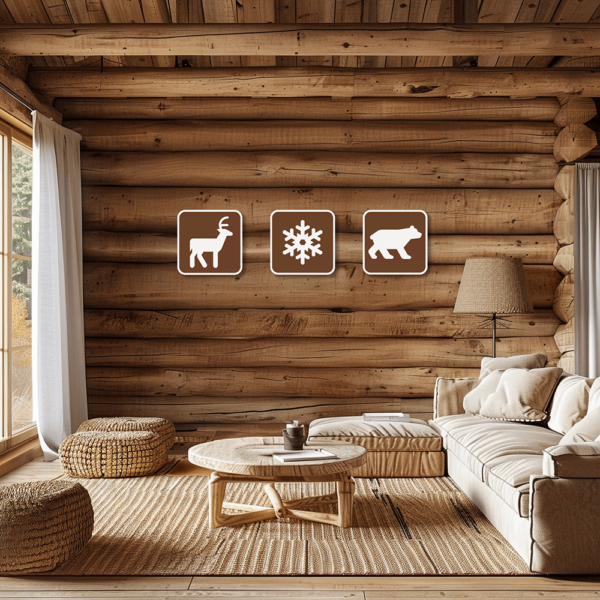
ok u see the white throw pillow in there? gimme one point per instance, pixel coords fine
(523, 361)
(587, 430)
(594, 402)
(570, 402)
(476, 397)
(522, 395)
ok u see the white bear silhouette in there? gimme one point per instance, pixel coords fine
(385, 240)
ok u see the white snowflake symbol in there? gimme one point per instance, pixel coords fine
(303, 242)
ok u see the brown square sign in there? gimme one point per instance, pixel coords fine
(395, 242)
(209, 242)
(302, 242)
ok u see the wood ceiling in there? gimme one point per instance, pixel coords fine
(67, 12)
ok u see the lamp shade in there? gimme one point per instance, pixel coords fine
(493, 286)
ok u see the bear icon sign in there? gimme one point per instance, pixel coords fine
(385, 240)
(395, 242)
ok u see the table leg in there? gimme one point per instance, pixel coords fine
(216, 495)
(345, 492)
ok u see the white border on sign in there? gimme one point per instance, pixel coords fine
(426, 241)
(271, 241)
(229, 210)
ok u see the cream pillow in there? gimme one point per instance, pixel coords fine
(522, 395)
(523, 361)
(570, 402)
(587, 430)
(476, 397)
(594, 402)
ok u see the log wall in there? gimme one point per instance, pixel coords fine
(256, 350)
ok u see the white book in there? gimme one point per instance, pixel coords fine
(397, 417)
(296, 455)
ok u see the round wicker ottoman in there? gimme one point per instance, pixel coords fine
(162, 427)
(42, 524)
(94, 454)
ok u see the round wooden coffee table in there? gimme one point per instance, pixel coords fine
(244, 460)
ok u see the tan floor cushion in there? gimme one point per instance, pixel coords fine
(403, 464)
(394, 449)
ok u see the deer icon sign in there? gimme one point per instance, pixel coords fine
(200, 245)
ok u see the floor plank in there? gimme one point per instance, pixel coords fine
(223, 594)
(423, 583)
(36, 470)
(88, 584)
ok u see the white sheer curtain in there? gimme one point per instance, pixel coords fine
(59, 386)
(587, 270)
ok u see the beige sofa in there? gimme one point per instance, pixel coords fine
(544, 498)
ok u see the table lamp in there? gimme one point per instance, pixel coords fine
(493, 286)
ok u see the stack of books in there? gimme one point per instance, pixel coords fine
(391, 416)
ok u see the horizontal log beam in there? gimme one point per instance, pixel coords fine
(197, 409)
(331, 109)
(269, 381)
(106, 246)
(308, 352)
(367, 136)
(21, 89)
(322, 168)
(262, 82)
(450, 211)
(307, 39)
(161, 287)
(315, 323)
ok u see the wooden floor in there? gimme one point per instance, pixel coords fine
(288, 588)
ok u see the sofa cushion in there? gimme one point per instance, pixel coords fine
(522, 395)
(570, 403)
(523, 361)
(487, 385)
(509, 478)
(478, 442)
(587, 430)
(378, 436)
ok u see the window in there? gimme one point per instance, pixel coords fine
(16, 418)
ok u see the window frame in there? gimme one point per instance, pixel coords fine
(8, 439)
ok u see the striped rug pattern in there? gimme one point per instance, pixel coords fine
(159, 526)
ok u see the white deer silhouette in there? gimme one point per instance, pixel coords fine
(200, 245)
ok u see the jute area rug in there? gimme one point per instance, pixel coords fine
(159, 526)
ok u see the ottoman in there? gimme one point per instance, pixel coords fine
(162, 427)
(94, 454)
(42, 524)
(394, 449)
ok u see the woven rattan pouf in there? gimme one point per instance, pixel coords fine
(93, 454)
(164, 428)
(42, 524)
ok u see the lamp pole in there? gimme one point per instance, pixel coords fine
(493, 335)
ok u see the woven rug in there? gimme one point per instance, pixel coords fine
(159, 526)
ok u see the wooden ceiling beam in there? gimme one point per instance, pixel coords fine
(284, 82)
(310, 39)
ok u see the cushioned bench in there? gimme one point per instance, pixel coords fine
(394, 449)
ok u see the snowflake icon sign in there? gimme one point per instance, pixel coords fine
(303, 242)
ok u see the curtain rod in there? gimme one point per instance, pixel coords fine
(17, 97)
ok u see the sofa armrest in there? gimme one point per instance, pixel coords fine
(564, 525)
(577, 461)
(449, 394)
